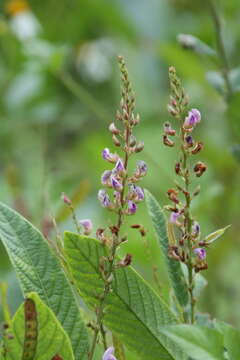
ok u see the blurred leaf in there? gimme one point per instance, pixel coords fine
(133, 310)
(234, 76)
(231, 339)
(236, 151)
(37, 334)
(215, 235)
(174, 267)
(233, 114)
(39, 270)
(198, 342)
(216, 80)
(190, 42)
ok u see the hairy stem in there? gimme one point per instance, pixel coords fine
(188, 227)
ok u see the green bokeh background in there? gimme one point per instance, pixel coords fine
(59, 90)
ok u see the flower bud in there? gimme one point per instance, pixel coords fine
(172, 195)
(87, 226)
(178, 168)
(167, 141)
(132, 141)
(113, 129)
(116, 141)
(126, 261)
(189, 141)
(168, 129)
(171, 110)
(139, 147)
(141, 169)
(66, 199)
(199, 168)
(197, 148)
(119, 167)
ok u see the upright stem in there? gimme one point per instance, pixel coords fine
(188, 227)
(221, 47)
(116, 238)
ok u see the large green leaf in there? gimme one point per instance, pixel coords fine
(40, 271)
(37, 334)
(198, 342)
(174, 268)
(134, 312)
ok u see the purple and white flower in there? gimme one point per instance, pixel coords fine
(201, 253)
(116, 184)
(104, 198)
(108, 355)
(107, 155)
(106, 177)
(141, 169)
(174, 217)
(136, 193)
(193, 118)
(132, 207)
(87, 226)
(119, 168)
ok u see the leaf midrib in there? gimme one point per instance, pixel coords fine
(127, 305)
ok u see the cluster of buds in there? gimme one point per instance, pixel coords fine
(188, 248)
(126, 193)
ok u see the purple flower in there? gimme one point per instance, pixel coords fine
(87, 226)
(108, 355)
(193, 118)
(174, 217)
(115, 183)
(201, 253)
(132, 207)
(119, 168)
(117, 197)
(105, 178)
(189, 140)
(107, 155)
(136, 193)
(141, 168)
(104, 198)
(196, 229)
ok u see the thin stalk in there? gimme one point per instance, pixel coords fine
(188, 227)
(108, 280)
(6, 311)
(221, 48)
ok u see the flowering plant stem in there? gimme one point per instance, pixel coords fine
(124, 202)
(188, 227)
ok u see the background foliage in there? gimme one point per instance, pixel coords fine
(59, 86)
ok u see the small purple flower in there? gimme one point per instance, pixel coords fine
(87, 226)
(136, 193)
(104, 198)
(117, 197)
(115, 183)
(174, 217)
(119, 168)
(193, 118)
(105, 178)
(201, 253)
(189, 140)
(141, 168)
(107, 155)
(108, 355)
(196, 229)
(132, 207)
(66, 199)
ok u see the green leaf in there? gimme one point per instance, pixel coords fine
(40, 271)
(231, 339)
(215, 235)
(198, 342)
(174, 267)
(37, 334)
(190, 42)
(134, 312)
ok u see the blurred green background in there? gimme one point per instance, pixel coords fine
(59, 90)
